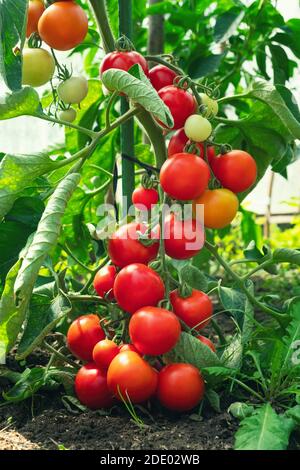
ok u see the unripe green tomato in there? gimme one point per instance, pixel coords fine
(212, 105)
(38, 67)
(68, 115)
(197, 128)
(73, 90)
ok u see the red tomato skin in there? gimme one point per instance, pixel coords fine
(91, 387)
(161, 76)
(144, 198)
(83, 334)
(130, 374)
(180, 102)
(136, 286)
(154, 330)
(208, 342)
(128, 347)
(104, 352)
(193, 310)
(123, 61)
(185, 176)
(180, 387)
(104, 281)
(63, 25)
(236, 170)
(179, 235)
(124, 247)
(178, 142)
(35, 10)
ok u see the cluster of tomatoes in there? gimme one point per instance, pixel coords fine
(62, 26)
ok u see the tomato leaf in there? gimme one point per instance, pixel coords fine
(233, 353)
(44, 314)
(286, 255)
(194, 277)
(16, 173)
(20, 103)
(13, 20)
(11, 317)
(192, 351)
(139, 91)
(264, 430)
(213, 399)
(240, 410)
(227, 24)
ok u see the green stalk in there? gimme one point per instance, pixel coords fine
(100, 10)
(127, 129)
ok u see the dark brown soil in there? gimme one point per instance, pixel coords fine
(53, 427)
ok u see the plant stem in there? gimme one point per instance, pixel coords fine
(219, 332)
(86, 298)
(83, 130)
(155, 135)
(69, 252)
(250, 390)
(100, 10)
(281, 318)
(61, 356)
(257, 268)
(109, 106)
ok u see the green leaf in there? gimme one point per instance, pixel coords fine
(139, 92)
(20, 103)
(286, 255)
(280, 62)
(192, 351)
(227, 24)
(18, 172)
(233, 301)
(193, 277)
(31, 381)
(201, 67)
(264, 430)
(294, 414)
(45, 238)
(215, 374)
(291, 340)
(13, 20)
(214, 399)
(11, 317)
(240, 410)
(44, 314)
(233, 353)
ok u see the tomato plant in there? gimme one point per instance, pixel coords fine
(83, 334)
(195, 309)
(123, 60)
(73, 90)
(145, 198)
(63, 25)
(180, 387)
(104, 281)
(178, 143)
(161, 76)
(146, 284)
(104, 352)
(180, 102)
(236, 170)
(154, 330)
(91, 387)
(124, 247)
(130, 377)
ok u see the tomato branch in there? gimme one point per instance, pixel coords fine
(83, 130)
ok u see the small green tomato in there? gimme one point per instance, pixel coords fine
(212, 105)
(73, 90)
(38, 67)
(68, 115)
(197, 128)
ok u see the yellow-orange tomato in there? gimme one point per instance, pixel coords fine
(220, 207)
(63, 25)
(35, 10)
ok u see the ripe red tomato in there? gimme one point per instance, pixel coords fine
(180, 102)
(124, 247)
(161, 76)
(178, 142)
(104, 281)
(144, 198)
(154, 330)
(128, 347)
(91, 387)
(63, 25)
(123, 61)
(104, 352)
(136, 286)
(195, 310)
(236, 170)
(180, 387)
(184, 176)
(208, 342)
(129, 375)
(35, 10)
(183, 239)
(83, 334)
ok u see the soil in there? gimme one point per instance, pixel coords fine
(53, 428)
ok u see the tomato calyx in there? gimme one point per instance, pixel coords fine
(34, 41)
(192, 147)
(148, 181)
(123, 44)
(184, 290)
